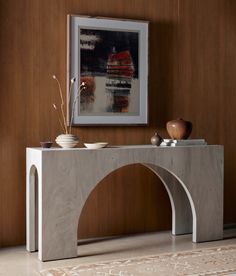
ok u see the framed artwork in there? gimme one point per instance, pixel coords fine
(110, 57)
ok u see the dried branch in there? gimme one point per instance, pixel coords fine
(63, 121)
(72, 81)
(81, 88)
(62, 103)
(58, 115)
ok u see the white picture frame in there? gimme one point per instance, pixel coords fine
(111, 57)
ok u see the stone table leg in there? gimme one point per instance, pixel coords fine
(181, 210)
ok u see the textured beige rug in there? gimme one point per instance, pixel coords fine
(213, 261)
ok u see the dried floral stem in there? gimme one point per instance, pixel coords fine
(58, 116)
(67, 130)
(81, 88)
(72, 81)
(62, 104)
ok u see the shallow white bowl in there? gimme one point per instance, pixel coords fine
(98, 145)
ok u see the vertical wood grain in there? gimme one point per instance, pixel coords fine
(192, 75)
(207, 83)
(14, 42)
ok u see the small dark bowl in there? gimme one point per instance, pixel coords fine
(46, 145)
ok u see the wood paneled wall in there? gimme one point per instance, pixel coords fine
(192, 75)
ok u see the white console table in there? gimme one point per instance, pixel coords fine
(59, 182)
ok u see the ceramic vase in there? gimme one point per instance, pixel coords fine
(156, 140)
(67, 140)
(179, 129)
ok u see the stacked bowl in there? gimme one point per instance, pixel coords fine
(67, 140)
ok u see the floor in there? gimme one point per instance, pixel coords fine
(16, 261)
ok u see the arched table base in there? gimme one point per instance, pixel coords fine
(192, 175)
(182, 222)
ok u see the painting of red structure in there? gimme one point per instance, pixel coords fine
(109, 59)
(108, 62)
